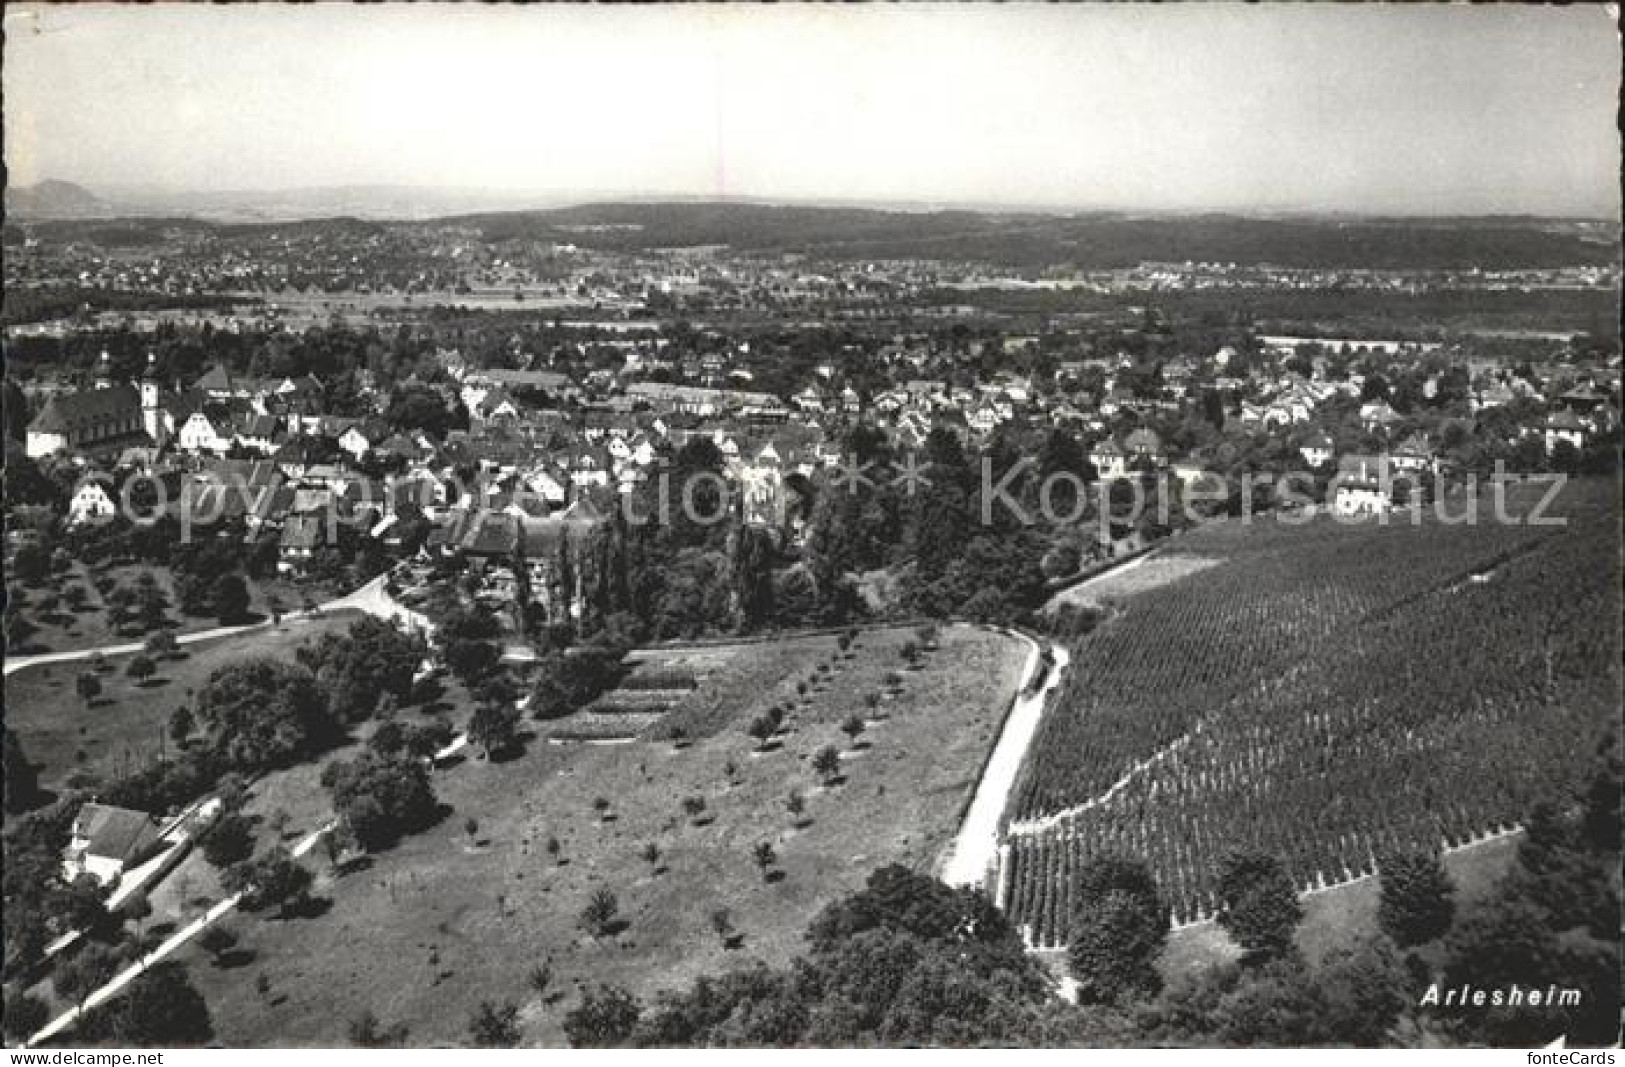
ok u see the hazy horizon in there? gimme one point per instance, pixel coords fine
(1285, 109)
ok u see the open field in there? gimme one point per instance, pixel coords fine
(1325, 694)
(450, 918)
(124, 729)
(65, 629)
(1138, 576)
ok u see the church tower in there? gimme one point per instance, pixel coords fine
(151, 415)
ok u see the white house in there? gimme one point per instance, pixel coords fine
(90, 502)
(1364, 486)
(106, 841)
(1565, 427)
(200, 434)
(1109, 459)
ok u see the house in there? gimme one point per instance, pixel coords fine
(1378, 416)
(1364, 486)
(1145, 448)
(260, 433)
(302, 535)
(1317, 450)
(1109, 459)
(1565, 427)
(358, 440)
(205, 432)
(985, 419)
(1415, 456)
(106, 841)
(90, 503)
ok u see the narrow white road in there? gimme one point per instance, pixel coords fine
(977, 844)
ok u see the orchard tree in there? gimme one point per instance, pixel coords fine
(764, 856)
(600, 914)
(827, 764)
(141, 668)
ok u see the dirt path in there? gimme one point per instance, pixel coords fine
(976, 847)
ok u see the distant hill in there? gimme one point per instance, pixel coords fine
(54, 200)
(1096, 240)
(1029, 239)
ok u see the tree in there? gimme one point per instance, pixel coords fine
(1258, 905)
(85, 973)
(141, 668)
(694, 807)
(260, 713)
(761, 729)
(605, 1018)
(161, 1008)
(796, 805)
(1118, 928)
(495, 1025)
(229, 841)
(494, 727)
(599, 916)
(764, 856)
(88, 686)
(722, 922)
(23, 1016)
(827, 764)
(380, 798)
(1113, 947)
(852, 727)
(30, 565)
(367, 1032)
(651, 856)
(1418, 898)
(150, 604)
(21, 778)
(216, 940)
(540, 978)
(230, 598)
(468, 659)
(162, 645)
(274, 880)
(181, 725)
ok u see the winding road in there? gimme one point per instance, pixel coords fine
(976, 847)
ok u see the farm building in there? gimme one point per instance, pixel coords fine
(107, 840)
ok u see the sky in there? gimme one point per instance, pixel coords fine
(1384, 108)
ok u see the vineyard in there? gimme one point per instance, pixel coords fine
(1325, 694)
